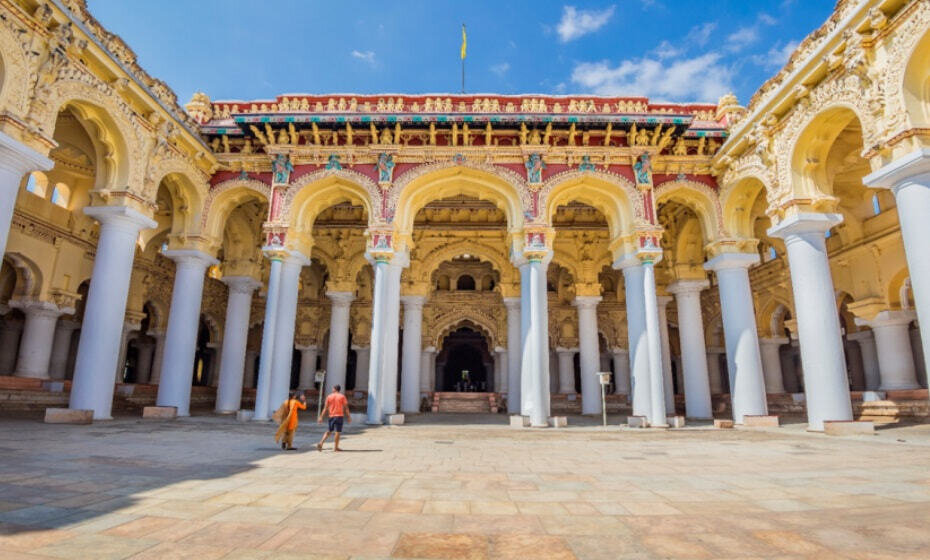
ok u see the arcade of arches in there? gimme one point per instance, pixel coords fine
(715, 258)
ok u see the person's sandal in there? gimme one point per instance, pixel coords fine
(319, 447)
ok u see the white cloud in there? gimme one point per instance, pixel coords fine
(668, 50)
(700, 34)
(777, 55)
(578, 23)
(767, 19)
(500, 69)
(702, 78)
(742, 37)
(367, 56)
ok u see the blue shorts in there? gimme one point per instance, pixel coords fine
(335, 424)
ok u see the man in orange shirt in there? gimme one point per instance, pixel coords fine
(337, 407)
(289, 422)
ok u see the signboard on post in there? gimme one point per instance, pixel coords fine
(320, 377)
(604, 378)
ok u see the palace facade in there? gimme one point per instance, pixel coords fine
(714, 258)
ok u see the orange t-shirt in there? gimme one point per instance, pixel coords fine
(294, 404)
(336, 405)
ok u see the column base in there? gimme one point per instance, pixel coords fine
(68, 416)
(847, 428)
(759, 421)
(160, 412)
(517, 421)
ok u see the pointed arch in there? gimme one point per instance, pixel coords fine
(615, 196)
(314, 192)
(471, 318)
(701, 199)
(484, 252)
(416, 188)
(225, 197)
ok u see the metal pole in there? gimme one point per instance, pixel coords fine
(604, 404)
(319, 404)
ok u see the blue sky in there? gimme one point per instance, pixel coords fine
(671, 50)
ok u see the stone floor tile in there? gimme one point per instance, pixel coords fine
(437, 506)
(253, 514)
(538, 547)
(95, 547)
(442, 546)
(177, 551)
(235, 535)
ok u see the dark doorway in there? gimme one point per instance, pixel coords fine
(462, 365)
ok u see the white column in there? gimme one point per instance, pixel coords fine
(248, 370)
(308, 355)
(374, 412)
(263, 404)
(392, 330)
(129, 327)
(16, 159)
(893, 346)
(144, 363)
(621, 371)
(291, 265)
(158, 356)
(771, 364)
(744, 362)
(216, 359)
(657, 416)
(35, 346)
(534, 320)
(714, 374)
(908, 177)
(918, 351)
(589, 353)
(410, 368)
(694, 355)
(566, 370)
(10, 332)
(235, 339)
(338, 338)
(501, 361)
(92, 388)
(662, 302)
(633, 275)
(514, 354)
(61, 349)
(427, 357)
(183, 323)
(496, 369)
(362, 359)
(822, 353)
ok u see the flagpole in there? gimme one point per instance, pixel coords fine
(463, 58)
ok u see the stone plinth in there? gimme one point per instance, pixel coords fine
(68, 416)
(244, 415)
(760, 421)
(517, 421)
(723, 424)
(558, 421)
(394, 419)
(637, 422)
(675, 421)
(159, 412)
(848, 428)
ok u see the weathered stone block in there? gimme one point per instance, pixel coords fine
(848, 428)
(760, 421)
(799, 397)
(637, 422)
(675, 421)
(723, 424)
(558, 421)
(244, 415)
(68, 416)
(872, 396)
(54, 386)
(517, 421)
(125, 390)
(160, 412)
(395, 419)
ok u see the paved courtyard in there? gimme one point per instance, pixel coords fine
(209, 487)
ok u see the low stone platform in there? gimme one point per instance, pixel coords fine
(68, 416)
(160, 412)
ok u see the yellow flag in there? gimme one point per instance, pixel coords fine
(464, 41)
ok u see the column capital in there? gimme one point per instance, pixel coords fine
(684, 287)
(358, 347)
(512, 303)
(429, 350)
(910, 168)
(278, 253)
(499, 349)
(413, 301)
(727, 261)
(586, 302)
(20, 158)
(305, 347)
(619, 351)
(888, 319)
(156, 334)
(191, 257)
(241, 284)
(39, 308)
(775, 340)
(123, 217)
(562, 350)
(716, 350)
(341, 299)
(804, 223)
(865, 334)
